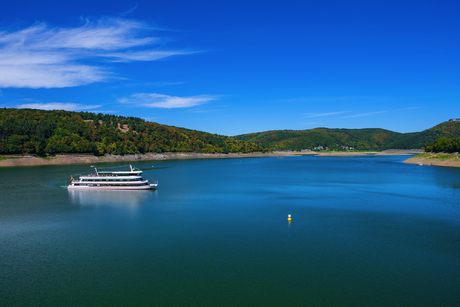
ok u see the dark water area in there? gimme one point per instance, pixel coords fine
(365, 231)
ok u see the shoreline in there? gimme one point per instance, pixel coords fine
(388, 152)
(435, 159)
(12, 161)
(16, 160)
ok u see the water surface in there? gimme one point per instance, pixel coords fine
(365, 231)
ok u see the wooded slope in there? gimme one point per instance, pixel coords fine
(359, 139)
(29, 131)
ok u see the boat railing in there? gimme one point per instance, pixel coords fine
(112, 175)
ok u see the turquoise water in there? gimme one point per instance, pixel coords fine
(365, 231)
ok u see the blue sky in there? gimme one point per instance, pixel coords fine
(234, 67)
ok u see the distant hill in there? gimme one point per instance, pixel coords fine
(342, 139)
(28, 131)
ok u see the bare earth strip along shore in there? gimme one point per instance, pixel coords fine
(437, 159)
(388, 152)
(84, 159)
(10, 161)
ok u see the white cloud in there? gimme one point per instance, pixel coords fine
(45, 57)
(49, 76)
(154, 100)
(68, 106)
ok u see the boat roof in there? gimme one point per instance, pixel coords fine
(108, 175)
(120, 172)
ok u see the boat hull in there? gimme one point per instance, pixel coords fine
(145, 187)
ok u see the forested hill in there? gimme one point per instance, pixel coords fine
(343, 139)
(28, 131)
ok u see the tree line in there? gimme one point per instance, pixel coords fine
(359, 139)
(40, 132)
(444, 145)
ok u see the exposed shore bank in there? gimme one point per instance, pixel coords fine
(388, 152)
(13, 160)
(85, 159)
(436, 159)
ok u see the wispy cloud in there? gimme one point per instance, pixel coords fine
(201, 110)
(154, 100)
(68, 106)
(329, 99)
(379, 112)
(51, 57)
(150, 55)
(145, 84)
(128, 11)
(324, 114)
(312, 123)
(161, 84)
(412, 108)
(365, 114)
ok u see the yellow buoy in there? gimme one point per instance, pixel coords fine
(289, 217)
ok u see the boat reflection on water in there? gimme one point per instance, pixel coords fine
(110, 197)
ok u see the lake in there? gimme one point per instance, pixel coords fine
(365, 231)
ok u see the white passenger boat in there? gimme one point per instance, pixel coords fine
(110, 180)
